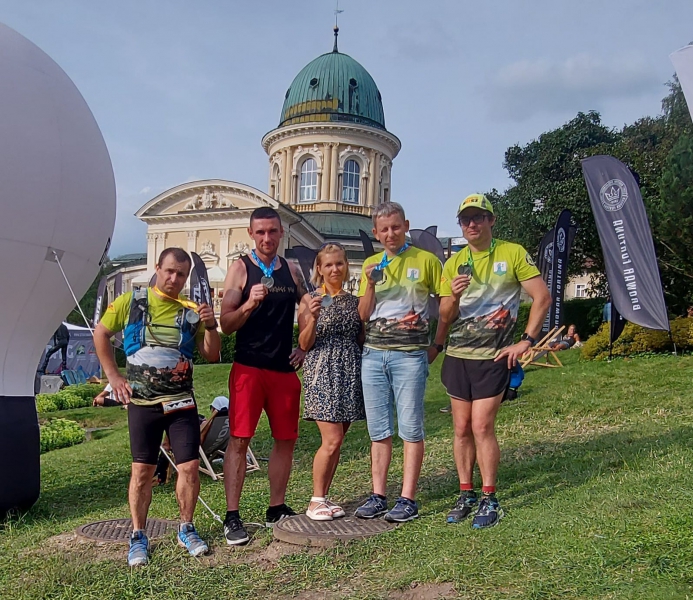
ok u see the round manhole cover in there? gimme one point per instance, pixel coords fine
(302, 530)
(119, 530)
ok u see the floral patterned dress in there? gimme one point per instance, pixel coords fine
(332, 367)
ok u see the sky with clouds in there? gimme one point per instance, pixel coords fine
(185, 90)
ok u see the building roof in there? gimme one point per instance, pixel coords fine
(333, 87)
(129, 259)
(339, 225)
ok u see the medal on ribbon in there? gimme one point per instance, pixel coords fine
(378, 274)
(327, 299)
(267, 280)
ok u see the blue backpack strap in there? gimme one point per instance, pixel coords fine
(133, 335)
(188, 333)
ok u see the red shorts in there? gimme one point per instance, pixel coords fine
(251, 390)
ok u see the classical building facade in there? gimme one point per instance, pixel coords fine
(330, 164)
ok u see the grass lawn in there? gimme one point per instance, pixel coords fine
(595, 480)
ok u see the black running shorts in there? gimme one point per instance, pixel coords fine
(147, 426)
(468, 379)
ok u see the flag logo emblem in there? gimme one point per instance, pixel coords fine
(500, 268)
(613, 195)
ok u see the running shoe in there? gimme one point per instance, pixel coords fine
(404, 510)
(139, 549)
(463, 507)
(234, 532)
(275, 514)
(488, 514)
(371, 508)
(189, 538)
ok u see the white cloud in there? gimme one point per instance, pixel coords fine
(580, 83)
(145, 190)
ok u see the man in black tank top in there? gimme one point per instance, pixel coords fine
(260, 296)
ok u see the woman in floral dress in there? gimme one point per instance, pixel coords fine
(331, 333)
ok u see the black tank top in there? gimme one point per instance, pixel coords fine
(266, 339)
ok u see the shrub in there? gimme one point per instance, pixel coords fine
(638, 340)
(73, 396)
(45, 403)
(228, 350)
(60, 433)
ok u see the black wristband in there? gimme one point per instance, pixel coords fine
(209, 328)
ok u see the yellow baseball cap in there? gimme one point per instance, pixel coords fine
(475, 201)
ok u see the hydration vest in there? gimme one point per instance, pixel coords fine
(134, 333)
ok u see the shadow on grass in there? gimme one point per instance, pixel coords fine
(536, 471)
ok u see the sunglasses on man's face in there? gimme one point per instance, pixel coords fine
(478, 220)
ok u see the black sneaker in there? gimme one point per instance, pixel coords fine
(489, 513)
(234, 532)
(275, 514)
(463, 507)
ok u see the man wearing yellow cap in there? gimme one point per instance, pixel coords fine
(480, 296)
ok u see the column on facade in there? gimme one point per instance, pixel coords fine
(371, 180)
(192, 241)
(375, 199)
(326, 168)
(224, 247)
(334, 176)
(288, 176)
(285, 177)
(160, 244)
(151, 252)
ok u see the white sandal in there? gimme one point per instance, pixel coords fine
(337, 511)
(322, 512)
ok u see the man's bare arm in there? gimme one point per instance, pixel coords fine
(299, 280)
(235, 312)
(104, 351)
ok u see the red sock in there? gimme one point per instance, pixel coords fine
(488, 489)
(466, 487)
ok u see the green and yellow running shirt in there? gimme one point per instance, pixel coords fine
(400, 318)
(488, 307)
(158, 371)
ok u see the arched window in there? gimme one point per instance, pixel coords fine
(308, 186)
(350, 182)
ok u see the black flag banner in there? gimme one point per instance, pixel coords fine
(306, 260)
(367, 243)
(554, 253)
(617, 323)
(561, 251)
(624, 233)
(200, 291)
(98, 308)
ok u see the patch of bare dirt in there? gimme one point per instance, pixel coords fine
(426, 591)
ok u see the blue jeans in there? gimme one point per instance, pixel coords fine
(394, 378)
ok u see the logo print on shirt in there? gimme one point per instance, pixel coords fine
(500, 268)
(412, 274)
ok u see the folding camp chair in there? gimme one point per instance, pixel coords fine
(543, 349)
(214, 437)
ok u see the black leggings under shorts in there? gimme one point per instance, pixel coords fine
(147, 426)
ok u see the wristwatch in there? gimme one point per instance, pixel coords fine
(209, 328)
(525, 337)
(438, 347)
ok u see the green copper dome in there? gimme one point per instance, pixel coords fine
(333, 87)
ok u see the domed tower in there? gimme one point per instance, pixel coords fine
(331, 151)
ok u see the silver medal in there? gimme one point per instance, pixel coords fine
(464, 270)
(326, 301)
(377, 275)
(192, 317)
(268, 282)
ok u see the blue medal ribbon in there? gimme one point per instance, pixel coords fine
(385, 261)
(267, 271)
